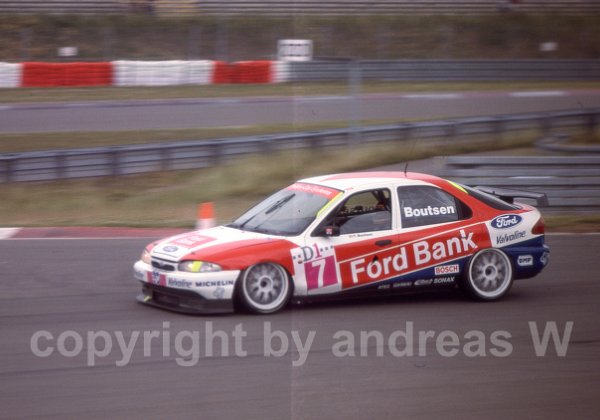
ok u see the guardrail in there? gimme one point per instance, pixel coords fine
(559, 143)
(572, 183)
(399, 7)
(134, 159)
(299, 7)
(445, 70)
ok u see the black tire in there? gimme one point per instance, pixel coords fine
(264, 288)
(489, 275)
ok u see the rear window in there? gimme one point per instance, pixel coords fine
(425, 205)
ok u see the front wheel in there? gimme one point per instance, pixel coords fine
(489, 275)
(265, 288)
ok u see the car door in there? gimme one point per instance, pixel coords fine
(350, 247)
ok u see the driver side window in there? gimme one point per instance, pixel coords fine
(367, 211)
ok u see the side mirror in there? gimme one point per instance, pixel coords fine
(330, 231)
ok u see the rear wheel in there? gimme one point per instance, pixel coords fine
(265, 288)
(489, 275)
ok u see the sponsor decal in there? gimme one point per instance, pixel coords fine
(439, 280)
(423, 282)
(428, 211)
(402, 284)
(170, 248)
(443, 280)
(510, 237)
(219, 293)
(384, 287)
(398, 261)
(314, 189)
(525, 260)
(317, 264)
(180, 283)
(214, 283)
(379, 267)
(506, 221)
(426, 252)
(360, 235)
(155, 277)
(447, 269)
(192, 241)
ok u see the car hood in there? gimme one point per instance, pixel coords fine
(220, 245)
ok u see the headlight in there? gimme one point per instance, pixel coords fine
(198, 267)
(146, 257)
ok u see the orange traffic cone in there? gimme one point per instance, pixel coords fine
(206, 216)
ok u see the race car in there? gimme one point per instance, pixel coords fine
(348, 234)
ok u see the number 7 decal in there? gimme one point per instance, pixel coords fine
(320, 273)
(316, 265)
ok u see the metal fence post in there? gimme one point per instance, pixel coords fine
(60, 165)
(114, 161)
(499, 128)
(8, 168)
(452, 129)
(165, 158)
(592, 122)
(545, 125)
(216, 153)
(314, 142)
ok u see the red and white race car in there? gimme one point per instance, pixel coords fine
(346, 234)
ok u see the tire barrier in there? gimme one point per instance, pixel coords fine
(141, 73)
(252, 72)
(223, 73)
(10, 75)
(162, 73)
(35, 74)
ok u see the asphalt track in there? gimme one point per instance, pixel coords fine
(234, 112)
(78, 287)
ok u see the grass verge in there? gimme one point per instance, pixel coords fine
(571, 223)
(585, 139)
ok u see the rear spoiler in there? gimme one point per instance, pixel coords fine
(509, 195)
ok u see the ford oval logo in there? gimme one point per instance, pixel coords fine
(170, 248)
(506, 221)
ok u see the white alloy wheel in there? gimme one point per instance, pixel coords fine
(489, 275)
(265, 288)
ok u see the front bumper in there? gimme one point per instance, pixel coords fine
(186, 292)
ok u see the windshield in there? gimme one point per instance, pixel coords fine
(287, 212)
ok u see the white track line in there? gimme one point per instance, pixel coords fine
(433, 96)
(538, 94)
